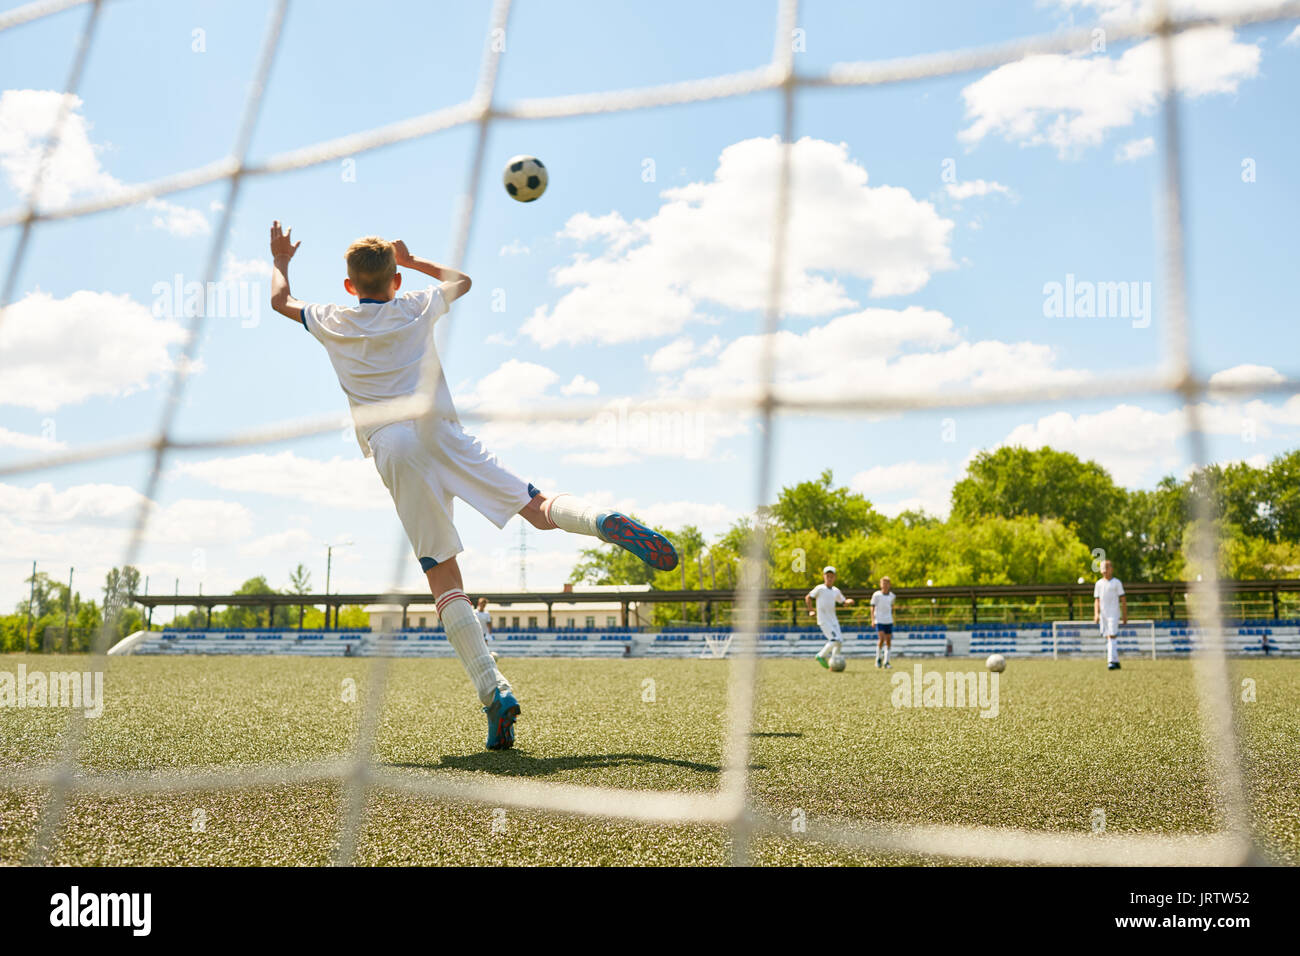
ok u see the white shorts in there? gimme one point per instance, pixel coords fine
(1109, 626)
(424, 474)
(831, 629)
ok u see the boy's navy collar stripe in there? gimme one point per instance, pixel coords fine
(373, 301)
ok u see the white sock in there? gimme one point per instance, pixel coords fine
(879, 648)
(466, 636)
(572, 514)
(1112, 651)
(886, 653)
(830, 648)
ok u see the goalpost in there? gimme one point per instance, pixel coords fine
(1081, 629)
(716, 646)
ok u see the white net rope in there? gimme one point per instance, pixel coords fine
(729, 806)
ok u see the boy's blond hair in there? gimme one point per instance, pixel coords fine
(372, 263)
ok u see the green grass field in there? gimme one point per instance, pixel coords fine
(1069, 738)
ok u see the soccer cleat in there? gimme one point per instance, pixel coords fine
(501, 715)
(1113, 666)
(887, 664)
(877, 661)
(821, 660)
(650, 546)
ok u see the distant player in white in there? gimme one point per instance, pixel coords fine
(484, 619)
(485, 622)
(381, 346)
(1110, 611)
(827, 595)
(882, 619)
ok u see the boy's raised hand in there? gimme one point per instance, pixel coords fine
(402, 254)
(282, 245)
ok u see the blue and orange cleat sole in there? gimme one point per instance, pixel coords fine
(501, 714)
(648, 545)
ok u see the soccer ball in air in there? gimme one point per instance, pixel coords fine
(838, 663)
(525, 178)
(996, 663)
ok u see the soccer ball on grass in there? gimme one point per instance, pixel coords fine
(996, 663)
(838, 663)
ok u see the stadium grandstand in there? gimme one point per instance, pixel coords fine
(1013, 620)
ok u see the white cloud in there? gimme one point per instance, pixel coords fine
(238, 270)
(26, 119)
(624, 431)
(908, 486)
(1073, 102)
(96, 511)
(710, 244)
(680, 353)
(291, 542)
(1137, 445)
(178, 220)
(73, 170)
(581, 385)
(12, 439)
(1108, 10)
(63, 351)
(1135, 149)
(1293, 38)
(1246, 375)
(337, 483)
(976, 187)
(514, 248)
(514, 384)
(909, 351)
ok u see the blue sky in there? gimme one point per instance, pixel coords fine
(928, 219)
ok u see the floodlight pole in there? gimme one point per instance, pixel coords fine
(67, 616)
(329, 560)
(31, 599)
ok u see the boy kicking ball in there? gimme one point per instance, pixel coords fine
(827, 595)
(377, 347)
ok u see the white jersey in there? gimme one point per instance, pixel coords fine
(884, 605)
(1110, 592)
(377, 349)
(826, 599)
(485, 621)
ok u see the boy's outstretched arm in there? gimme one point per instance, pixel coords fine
(454, 283)
(282, 250)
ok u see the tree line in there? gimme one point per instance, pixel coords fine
(1018, 516)
(61, 619)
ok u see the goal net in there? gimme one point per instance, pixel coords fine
(730, 805)
(1084, 638)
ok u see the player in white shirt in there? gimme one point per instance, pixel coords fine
(485, 622)
(827, 595)
(380, 348)
(882, 619)
(1110, 611)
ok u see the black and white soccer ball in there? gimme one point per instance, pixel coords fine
(838, 663)
(525, 178)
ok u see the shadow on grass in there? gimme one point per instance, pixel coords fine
(776, 733)
(518, 763)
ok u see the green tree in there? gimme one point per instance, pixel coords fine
(1283, 482)
(300, 580)
(821, 507)
(1012, 482)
